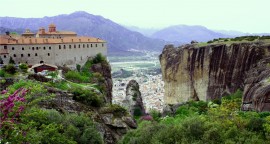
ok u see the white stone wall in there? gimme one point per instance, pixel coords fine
(52, 54)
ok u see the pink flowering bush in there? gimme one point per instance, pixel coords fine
(11, 107)
(147, 118)
(10, 110)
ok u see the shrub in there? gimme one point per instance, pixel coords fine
(77, 77)
(2, 73)
(137, 112)
(99, 58)
(256, 124)
(90, 136)
(53, 74)
(88, 97)
(10, 68)
(78, 67)
(23, 67)
(11, 61)
(155, 114)
(193, 128)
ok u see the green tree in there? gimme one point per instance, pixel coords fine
(11, 61)
(78, 67)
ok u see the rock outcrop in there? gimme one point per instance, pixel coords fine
(133, 101)
(105, 70)
(210, 72)
(110, 125)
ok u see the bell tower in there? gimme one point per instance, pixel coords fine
(52, 28)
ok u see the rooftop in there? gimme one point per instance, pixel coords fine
(4, 39)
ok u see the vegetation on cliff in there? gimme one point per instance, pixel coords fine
(201, 122)
(52, 109)
(23, 119)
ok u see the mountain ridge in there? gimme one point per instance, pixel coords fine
(119, 39)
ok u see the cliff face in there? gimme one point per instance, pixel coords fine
(208, 72)
(105, 70)
(257, 87)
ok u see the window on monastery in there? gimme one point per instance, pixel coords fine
(50, 48)
(87, 45)
(91, 45)
(79, 46)
(28, 55)
(74, 46)
(35, 54)
(64, 46)
(44, 48)
(22, 48)
(69, 46)
(33, 48)
(5, 56)
(5, 47)
(102, 45)
(96, 45)
(83, 45)
(59, 46)
(14, 55)
(48, 54)
(21, 55)
(37, 48)
(12, 48)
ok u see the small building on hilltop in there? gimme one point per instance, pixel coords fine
(51, 47)
(41, 67)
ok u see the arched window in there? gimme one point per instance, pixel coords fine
(59, 46)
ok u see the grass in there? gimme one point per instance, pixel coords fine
(242, 39)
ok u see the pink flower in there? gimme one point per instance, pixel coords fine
(147, 117)
(3, 91)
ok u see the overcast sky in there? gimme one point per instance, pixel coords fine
(241, 15)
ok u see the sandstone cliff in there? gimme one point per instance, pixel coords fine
(209, 72)
(133, 100)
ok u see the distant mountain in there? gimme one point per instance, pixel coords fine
(120, 40)
(4, 30)
(185, 34)
(238, 33)
(232, 33)
(145, 31)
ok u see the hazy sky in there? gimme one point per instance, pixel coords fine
(241, 15)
